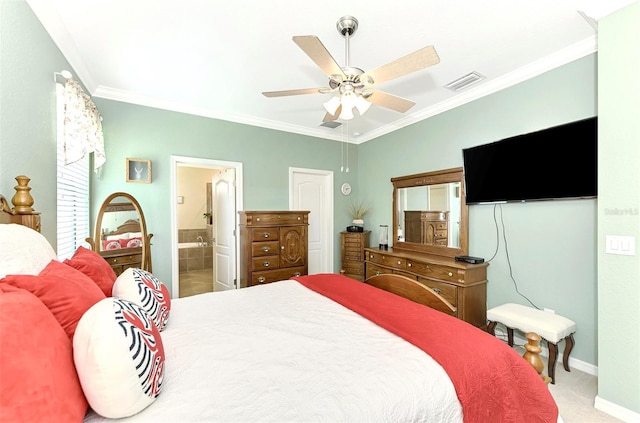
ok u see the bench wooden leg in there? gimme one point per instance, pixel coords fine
(492, 328)
(553, 355)
(567, 350)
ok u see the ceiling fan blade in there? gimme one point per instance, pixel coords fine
(390, 101)
(329, 117)
(314, 48)
(412, 62)
(291, 92)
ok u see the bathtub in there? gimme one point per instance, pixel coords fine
(190, 245)
(195, 256)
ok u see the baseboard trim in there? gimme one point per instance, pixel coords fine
(616, 410)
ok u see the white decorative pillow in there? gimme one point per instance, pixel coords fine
(147, 291)
(119, 357)
(23, 251)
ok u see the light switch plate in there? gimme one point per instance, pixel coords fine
(624, 245)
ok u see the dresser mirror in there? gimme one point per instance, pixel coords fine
(120, 234)
(430, 214)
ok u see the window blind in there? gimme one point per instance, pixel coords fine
(72, 196)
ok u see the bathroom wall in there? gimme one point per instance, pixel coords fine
(192, 191)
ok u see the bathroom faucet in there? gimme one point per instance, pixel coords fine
(200, 241)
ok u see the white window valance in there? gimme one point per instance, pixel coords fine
(82, 126)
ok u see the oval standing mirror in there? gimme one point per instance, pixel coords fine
(430, 213)
(120, 235)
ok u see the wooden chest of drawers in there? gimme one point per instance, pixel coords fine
(352, 247)
(273, 246)
(464, 285)
(427, 227)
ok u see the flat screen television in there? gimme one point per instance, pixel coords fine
(555, 163)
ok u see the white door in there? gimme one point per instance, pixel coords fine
(313, 190)
(224, 222)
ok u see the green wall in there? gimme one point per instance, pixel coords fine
(28, 58)
(551, 244)
(619, 209)
(147, 133)
(554, 247)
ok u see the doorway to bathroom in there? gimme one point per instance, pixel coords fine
(207, 195)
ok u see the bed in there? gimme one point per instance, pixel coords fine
(127, 235)
(314, 348)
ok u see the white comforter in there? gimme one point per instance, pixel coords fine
(281, 352)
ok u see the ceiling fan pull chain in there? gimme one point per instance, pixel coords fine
(347, 146)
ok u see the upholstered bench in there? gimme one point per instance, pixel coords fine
(549, 326)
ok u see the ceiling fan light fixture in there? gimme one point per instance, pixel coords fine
(362, 105)
(348, 100)
(347, 113)
(332, 104)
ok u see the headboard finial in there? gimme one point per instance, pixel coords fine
(22, 200)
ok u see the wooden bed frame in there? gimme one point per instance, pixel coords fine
(394, 283)
(417, 292)
(130, 225)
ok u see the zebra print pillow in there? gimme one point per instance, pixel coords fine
(119, 357)
(147, 291)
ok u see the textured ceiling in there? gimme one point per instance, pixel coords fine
(214, 58)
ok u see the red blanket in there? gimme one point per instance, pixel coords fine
(493, 383)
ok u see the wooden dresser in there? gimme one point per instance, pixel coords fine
(273, 245)
(352, 247)
(427, 227)
(464, 285)
(122, 259)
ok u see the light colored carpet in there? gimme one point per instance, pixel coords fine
(575, 393)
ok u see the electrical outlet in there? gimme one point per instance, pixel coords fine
(548, 310)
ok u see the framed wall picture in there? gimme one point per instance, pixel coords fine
(139, 170)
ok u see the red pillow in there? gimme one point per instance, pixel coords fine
(111, 245)
(66, 292)
(93, 265)
(39, 379)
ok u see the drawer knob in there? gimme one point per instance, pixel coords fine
(378, 272)
(261, 279)
(399, 262)
(296, 274)
(409, 264)
(299, 218)
(266, 234)
(265, 264)
(450, 274)
(257, 219)
(436, 290)
(266, 249)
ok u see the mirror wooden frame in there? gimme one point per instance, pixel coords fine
(96, 241)
(433, 178)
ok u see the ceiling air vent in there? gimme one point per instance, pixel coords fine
(465, 81)
(331, 124)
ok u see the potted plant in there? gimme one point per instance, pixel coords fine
(358, 210)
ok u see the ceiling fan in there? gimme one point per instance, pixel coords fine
(353, 86)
